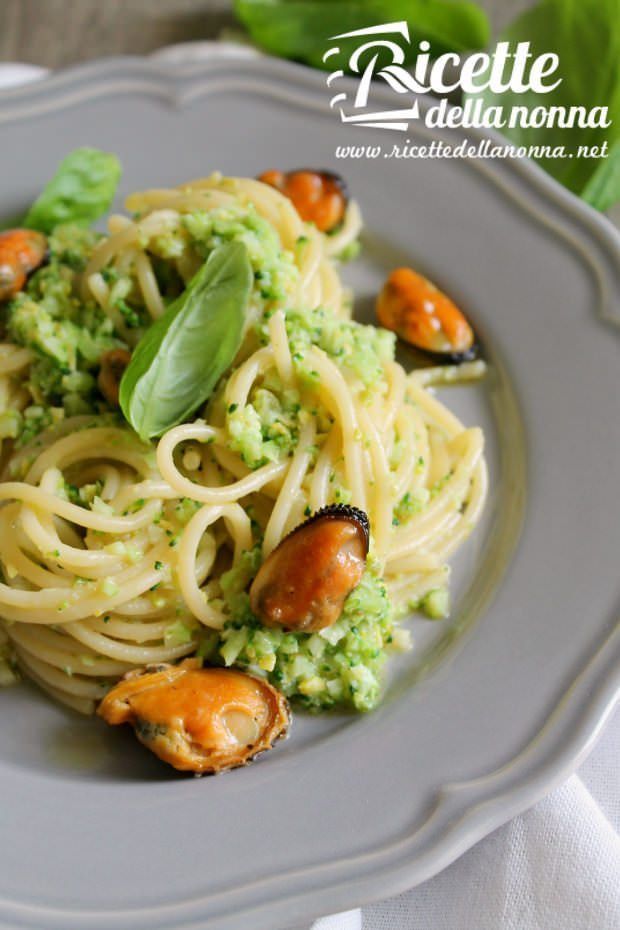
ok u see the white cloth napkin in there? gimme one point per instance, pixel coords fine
(556, 867)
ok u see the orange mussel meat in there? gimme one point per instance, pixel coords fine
(422, 315)
(21, 252)
(318, 196)
(303, 583)
(202, 720)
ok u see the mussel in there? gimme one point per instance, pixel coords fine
(320, 197)
(21, 252)
(113, 365)
(303, 583)
(202, 720)
(422, 315)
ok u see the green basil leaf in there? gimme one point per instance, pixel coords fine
(300, 29)
(80, 192)
(182, 356)
(585, 34)
(603, 189)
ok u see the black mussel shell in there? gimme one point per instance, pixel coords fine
(339, 512)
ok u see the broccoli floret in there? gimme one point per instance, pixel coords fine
(340, 665)
(67, 334)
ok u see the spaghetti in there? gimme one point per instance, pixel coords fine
(117, 554)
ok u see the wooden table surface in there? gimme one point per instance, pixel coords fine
(55, 33)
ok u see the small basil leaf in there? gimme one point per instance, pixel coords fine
(80, 192)
(182, 356)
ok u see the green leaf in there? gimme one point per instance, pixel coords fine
(301, 29)
(80, 192)
(182, 356)
(585, 34)
(603, 189)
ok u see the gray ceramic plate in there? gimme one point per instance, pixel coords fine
(491, 710)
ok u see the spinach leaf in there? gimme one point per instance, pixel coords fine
(585, 34)
(80, 192)
(182, 356)
(300, 29)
